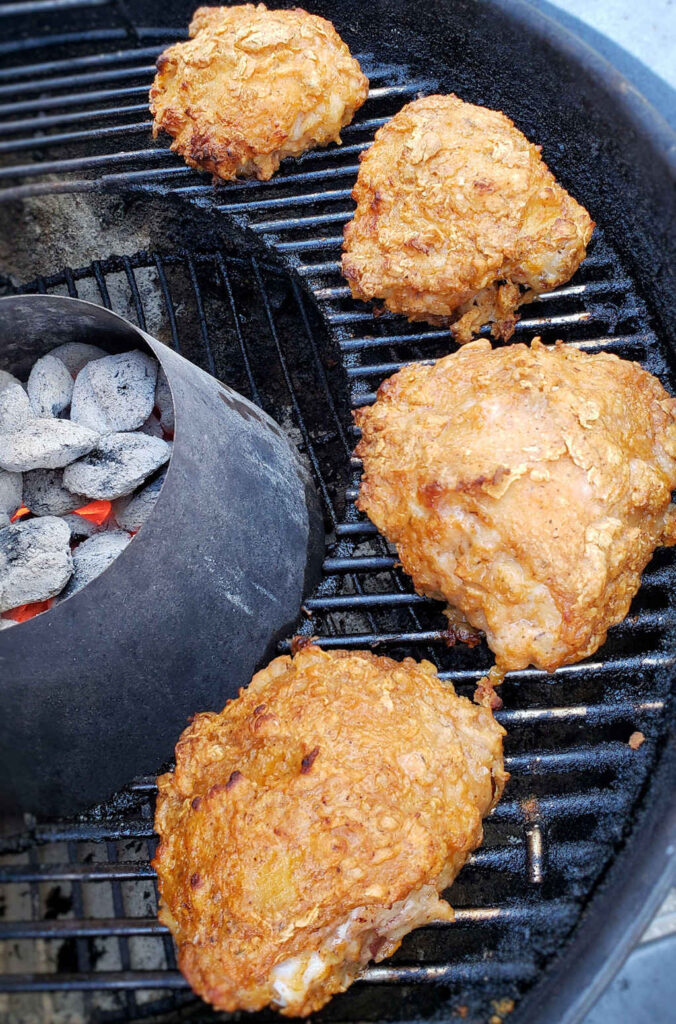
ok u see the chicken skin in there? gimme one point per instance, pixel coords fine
(459, 220)
(526, 487)
(313, 823)
(252, 86)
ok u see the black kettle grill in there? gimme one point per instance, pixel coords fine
(243, 279)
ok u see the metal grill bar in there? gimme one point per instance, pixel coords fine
(47, 6)
(352, 529)
(589, 289)
(38, 124)
(138, 304)
(525, 325)
(225, 277)
(567, 805)
(92, 832)
(355, 563)
(309, 447)
(458, 973)
(383, 369)
(94, 60)
(74, 100)
(169, 304)
(331, 151)
(128, 927)
(66, 138)
(101, 872)
(356, 601)
(80, 163)
(370, 124)
(103, 36)
(295, 178)
(387, 341)
(301, 222)
(599, 756)
(326, 242)
(68, 81)
(204, 329)
(592, 713)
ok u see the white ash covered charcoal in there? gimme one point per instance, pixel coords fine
(152, 427)
(81, 527)
(6, 623)
(132, 513)
(115, 393)
(44, 444)
(93, 556)
(117, 465)
(15, 406)
(164, 402)
(49, 387)
(76, 354)
(35, 561)
(45, 495)
(7, 378)
(11, 494)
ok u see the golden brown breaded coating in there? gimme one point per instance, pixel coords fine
(459, 219)
(312, 823)
(252, 86)
(527, 487)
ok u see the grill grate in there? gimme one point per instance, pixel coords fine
(78, 933)
(79, 929)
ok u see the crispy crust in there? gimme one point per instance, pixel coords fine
(337, 784)
(527, 487)
(459, 219)
(253, 86)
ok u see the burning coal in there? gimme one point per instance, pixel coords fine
(84, 445)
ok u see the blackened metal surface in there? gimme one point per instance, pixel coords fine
(96, 690)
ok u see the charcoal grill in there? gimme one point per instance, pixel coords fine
(244, 280)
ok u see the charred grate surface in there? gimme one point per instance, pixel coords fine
(78, 934)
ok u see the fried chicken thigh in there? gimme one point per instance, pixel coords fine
(459, 220)
(526, 487)
(252, 86)
(313, 823)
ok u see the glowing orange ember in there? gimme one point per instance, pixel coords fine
(27, 611)
(19, 514)
(95, 512)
